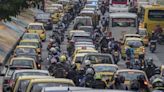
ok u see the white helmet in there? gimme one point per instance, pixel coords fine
(53, 49)
(51, 40)
(89, 71)
(87, 62)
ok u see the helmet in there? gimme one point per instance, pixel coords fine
(52, 49)
(134, 85)
(63, 58)
(121, 78)
(150, 61)
(87, 62)
(158, 82)
(89, 71)
(51, 40)
(98, 77)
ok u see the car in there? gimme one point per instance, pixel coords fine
(36, 85)
(23, 61)
(31, 36)
(7, 75)
(131, 74)
(31, 42)
(82, 21)
(77, 59)
(137, 44)
(162, 70)
(144, 35)
(37, 28)
(106, 71)
(44, 18)
(25, 72)
(130, 36)
(84, 47)
(21, 82)
(98, 58)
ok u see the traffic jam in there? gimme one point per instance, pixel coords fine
(89, 45)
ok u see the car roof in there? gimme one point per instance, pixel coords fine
(32, 70)
(129, 70)
(35, 23)
(87, 11)
(114, 65)
(53, 80)
(31, 34)
(22, 57)
(33, 77)
(29, 40)
(123, 15)
(64, 88)
(80, 54)
(86, 27)
(131, 35)
(82, 17)
(153, 6)
(22, 46)
(133, 39)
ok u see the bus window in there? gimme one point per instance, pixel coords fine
(156, 15)
(123, 22)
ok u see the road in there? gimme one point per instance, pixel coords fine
(158, 56)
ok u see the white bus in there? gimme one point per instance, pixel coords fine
(122, 23)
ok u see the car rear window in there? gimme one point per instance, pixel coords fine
(35, 27)
(31, 36)
(129, 76)
(29, 44)
(25, 51)
(102, 68)
(135, 43)
(22, 62)
(30, 74)
(37, 87)
(22, 86)
(97, 59)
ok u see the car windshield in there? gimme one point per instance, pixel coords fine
(30, 36)
(22, 86)
(134, 43)
(103, 68)
(35, 27)
(23, 62)
(37, 87)
(25, 51)
(86, 29)
(91, 6)
(43, 16)
(84, 21)
(129, 76)
(84, 40)
(35, 44)
(98, 59)
(123, 22)
(30, 74)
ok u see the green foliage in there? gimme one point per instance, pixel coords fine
(13, 7)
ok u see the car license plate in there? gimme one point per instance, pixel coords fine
(152, 46)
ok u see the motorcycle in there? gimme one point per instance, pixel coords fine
(152, 47)
(116, 56)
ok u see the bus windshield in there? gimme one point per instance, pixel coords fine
(156, 15)
(119, 1)
(123, 22)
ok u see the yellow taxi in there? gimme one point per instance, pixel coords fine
(77, 59)
(36, 85)
(130, 75)
(37, 28)
(136, 43)
(162, 70)
(23, 61)
(106, 71)
(22, 82)
(34, 43)
(84, 50)
(144, 35)
(130, 36)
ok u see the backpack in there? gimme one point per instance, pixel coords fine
(128, 52)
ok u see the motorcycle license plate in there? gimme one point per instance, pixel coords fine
(152, 46)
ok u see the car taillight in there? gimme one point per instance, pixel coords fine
(145, 82)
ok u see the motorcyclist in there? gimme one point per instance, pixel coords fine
(158, 84)
(103, 8)
(104, 24)
(119, 83)
(54, 53)
(70, 47)
(104, 43)
(158, 30)
(134, 85)
(143, 83)
(130, 55)
(88, 65)
(98, 83)
(115, 46)
(88, 78)
(63, 61)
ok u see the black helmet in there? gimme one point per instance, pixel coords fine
(122, 79)
(134, 85)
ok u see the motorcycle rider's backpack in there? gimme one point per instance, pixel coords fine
(89, 80)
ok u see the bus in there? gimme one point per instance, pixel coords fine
(119, 6)
(152, 15)
(122, 23)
